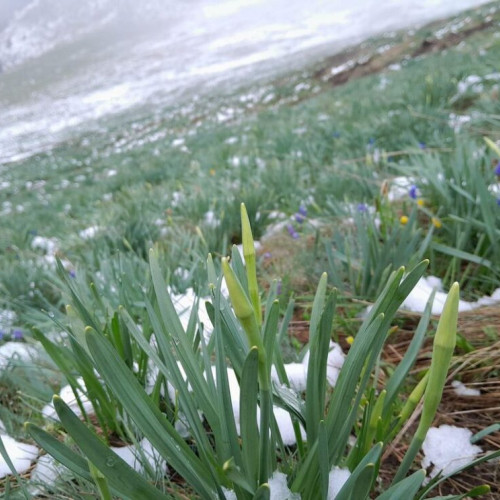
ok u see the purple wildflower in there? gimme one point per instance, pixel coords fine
(498, 202)
(497, 169)
(292, 232)
(362, 208)
(422, 145)
(336, 135)
(1, 335)
(301, 214)
(267, 255)
(278, 288)
(72, 274)
(412, 192)
(17, 334)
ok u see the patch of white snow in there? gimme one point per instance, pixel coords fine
(448, 448)
(21, 455)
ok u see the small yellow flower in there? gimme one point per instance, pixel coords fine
(420, 202)
(436, 222)
(404, 220)
(350, 339)
(212, 171)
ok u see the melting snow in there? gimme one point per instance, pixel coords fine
(184, 304)
(336, 479)
(448, 448)
(462, 390)
(48, 245)
(7, 318)
(419, 296)
(279, 488)
(400, 187)
(16, 351)
(135, 456)
(89, 232)
(46, 472)
(21, 455)
(68, 396)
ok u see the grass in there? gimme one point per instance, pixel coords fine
(176, 178)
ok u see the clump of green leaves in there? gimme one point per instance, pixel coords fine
(217, 456)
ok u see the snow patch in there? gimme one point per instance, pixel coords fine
(15, 352)
(136, 455)
(21, 455)
(68, 396)
(448, 448)
(279, 488)
(462, 390)
(47, 245)
(400, 187)
(89, 232)
(336, 479)
(47, 472)
(418, 297)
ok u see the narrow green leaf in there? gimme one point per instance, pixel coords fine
(8, 461)
(100, 481)
(270, 330)
(148, 418)
(234, 474)
(249, 254)
(225, 435)
(485, 432)
(360, 474)
(323, 459)
(59, 451)
(120, 475)
(400, 373)
(263, 492)
(407, 488)
(460, 254)
(248, 415)
(318, 306)
(363, 485)
(316, 371)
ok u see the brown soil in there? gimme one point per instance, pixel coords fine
(364, 61)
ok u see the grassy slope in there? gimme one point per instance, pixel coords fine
(303, 138)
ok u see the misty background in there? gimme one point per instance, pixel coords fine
(66, 65)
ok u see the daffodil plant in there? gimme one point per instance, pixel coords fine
(234, 450)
